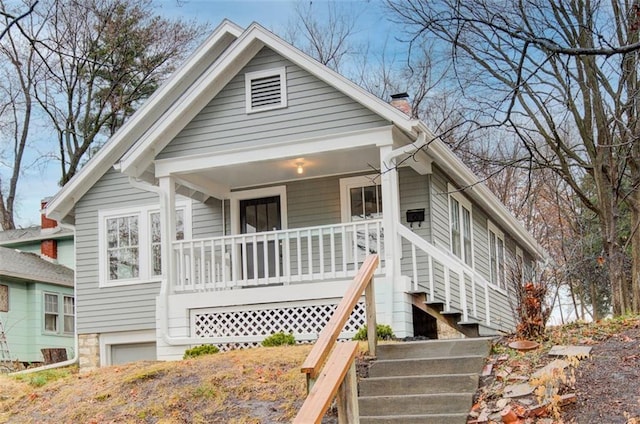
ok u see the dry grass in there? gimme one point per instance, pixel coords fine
(241, 387)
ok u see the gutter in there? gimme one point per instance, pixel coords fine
(76, 354)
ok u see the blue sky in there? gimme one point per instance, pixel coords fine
(38, 182)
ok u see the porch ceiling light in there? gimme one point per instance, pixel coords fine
(300, 167)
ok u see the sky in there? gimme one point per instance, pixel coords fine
(41, 181)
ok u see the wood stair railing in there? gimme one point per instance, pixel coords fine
(338, 376)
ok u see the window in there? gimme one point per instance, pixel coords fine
(361, 201)
(460, 226)
(54, 313)
(496, 256)
(50, 313)
(156, 251)
(4, 298)
(361, 198)
(122, 247)
(69, 309)
(130, 243)
(266, 90)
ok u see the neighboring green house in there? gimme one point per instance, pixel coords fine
(37, 302)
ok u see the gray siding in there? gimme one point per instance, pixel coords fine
(313, 202)
(439, 209)
(314, 109)
(118, 308)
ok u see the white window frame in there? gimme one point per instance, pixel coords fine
(236, 196)
(346, 184)
(463, 203)
(65, 314)
(500, 279)
(45, 313)
(250, 76)
(143, 212)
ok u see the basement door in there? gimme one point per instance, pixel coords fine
(256, 216)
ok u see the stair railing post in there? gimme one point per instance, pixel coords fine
(347, 398)
(370, 305)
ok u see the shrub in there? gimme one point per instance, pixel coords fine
(279, 339)
(199, 351)
(383, 332)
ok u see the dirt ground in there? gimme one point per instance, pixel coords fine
(261, 386)
(608, 384)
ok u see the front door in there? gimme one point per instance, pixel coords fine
(259, 215)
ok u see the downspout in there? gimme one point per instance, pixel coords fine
(76, 355)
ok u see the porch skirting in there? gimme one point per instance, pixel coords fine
(243, 318)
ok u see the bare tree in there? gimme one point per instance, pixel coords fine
(103, 58)
(18, 75)
(562, 77)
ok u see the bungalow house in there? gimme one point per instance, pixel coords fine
(37, 301)
(239, 200)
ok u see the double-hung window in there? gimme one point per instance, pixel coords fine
(460, 221)
(51, 321)
(361, 202)
(130, 243)
(59, 318)
(496, 256)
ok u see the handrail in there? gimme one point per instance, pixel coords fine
(338, 376)
(328, 384)
(330, 332)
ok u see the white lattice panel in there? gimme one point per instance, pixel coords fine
(305, 319)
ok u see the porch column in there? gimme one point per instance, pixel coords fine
(398, 308)
(167, 230)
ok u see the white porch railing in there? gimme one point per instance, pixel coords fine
(423, 261)
(275, 257)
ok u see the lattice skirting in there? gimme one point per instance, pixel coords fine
(304, 319)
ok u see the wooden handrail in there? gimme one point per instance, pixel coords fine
(330, 332)
(328, 384)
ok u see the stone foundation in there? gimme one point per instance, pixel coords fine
(447, 332)
(88, 352)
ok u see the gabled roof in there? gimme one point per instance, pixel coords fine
(31, 267)
(63, 202)
(194, 85)
(33, 233)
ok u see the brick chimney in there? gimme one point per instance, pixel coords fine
(48, 247)
(401, 102)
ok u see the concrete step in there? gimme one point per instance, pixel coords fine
(441, 403)
(435, 348)
(429, 366)
(416, 419)
(416, 385)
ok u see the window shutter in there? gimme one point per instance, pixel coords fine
(266, 91)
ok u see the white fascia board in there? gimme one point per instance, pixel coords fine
(477, 190)
(221, 38)
(188, 164)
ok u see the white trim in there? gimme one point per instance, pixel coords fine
(352, 182)
(502, 282)
(463, 203)
(250, 76)
(107, 340)
(143, 212)
(296, 148)
(236, 196)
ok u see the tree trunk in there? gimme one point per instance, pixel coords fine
(635, 251)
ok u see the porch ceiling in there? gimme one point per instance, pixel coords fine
(285, 169)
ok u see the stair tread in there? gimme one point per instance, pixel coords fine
(405, 377)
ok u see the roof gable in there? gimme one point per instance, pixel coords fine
(61, 205)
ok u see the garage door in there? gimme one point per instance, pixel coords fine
(123, 353)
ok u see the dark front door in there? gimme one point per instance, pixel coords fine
(259, 215)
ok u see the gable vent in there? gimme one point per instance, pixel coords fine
(266, 90)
